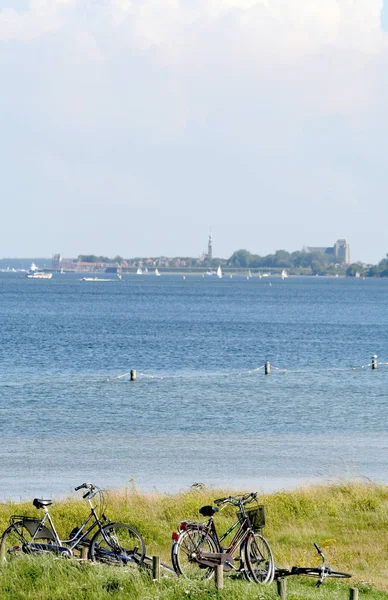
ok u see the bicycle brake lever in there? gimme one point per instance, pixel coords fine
(79, 487)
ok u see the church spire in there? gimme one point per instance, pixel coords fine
(210, 247)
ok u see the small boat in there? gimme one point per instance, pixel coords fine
(219, 272)
(139, 271)
(95, 279)
(249, 276)
(157, 273)
(146, 271)
(357, 275)
(36, 273)
(119, 276)
(284, 274)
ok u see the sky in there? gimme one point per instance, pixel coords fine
(136, 127)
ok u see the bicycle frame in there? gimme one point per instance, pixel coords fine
(43, 530)
(224, 557)
(238, 538)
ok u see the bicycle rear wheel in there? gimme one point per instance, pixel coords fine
(191, 543)
(15, 542)
(259, 559)
(118, 544)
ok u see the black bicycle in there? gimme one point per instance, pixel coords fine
(320, 572)
(112, 543)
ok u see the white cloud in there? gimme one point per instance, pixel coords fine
(197, 99)
(42, 17)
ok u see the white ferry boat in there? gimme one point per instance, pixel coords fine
(36, 273)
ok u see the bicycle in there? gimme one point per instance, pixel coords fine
(112, 543)
(197, 548)
(321, 572)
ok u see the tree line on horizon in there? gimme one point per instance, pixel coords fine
(314, 263)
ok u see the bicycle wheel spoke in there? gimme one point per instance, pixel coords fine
(259, 559)
(187, 551)
(16, 541)
(118, 544)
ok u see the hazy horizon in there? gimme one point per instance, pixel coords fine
(133, 127)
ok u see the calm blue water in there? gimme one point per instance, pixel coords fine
(199, 410)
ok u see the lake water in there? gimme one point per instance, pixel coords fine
(202, 409)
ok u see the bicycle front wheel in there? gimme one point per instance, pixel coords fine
(118, 544)
(259, 559)
(16, 541)
(188, 549)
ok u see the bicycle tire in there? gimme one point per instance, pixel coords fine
(191, 542)
(259, 559)
(117, 544)
(15, 542)
(317, 572)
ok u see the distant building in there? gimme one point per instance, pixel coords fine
(340, 252)
(57, 261)
(210, 248)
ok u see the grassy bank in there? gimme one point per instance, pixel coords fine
(349, 521)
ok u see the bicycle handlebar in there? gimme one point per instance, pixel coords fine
(79, 487)
(92, 489)
(318, 549)
(237, 500)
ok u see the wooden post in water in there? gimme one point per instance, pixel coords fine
(219, 577)
(353, 594)
(267, 368)
(282, 588)
(374, 362)
(133, 375)
(156, 568)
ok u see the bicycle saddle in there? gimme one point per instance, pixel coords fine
(208, 511)
(40, 503)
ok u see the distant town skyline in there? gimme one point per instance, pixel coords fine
(339, 250)
(129, 130)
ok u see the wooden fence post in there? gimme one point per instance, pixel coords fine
(219, 577)
(282, 588)
(353, 594)
(156, 568)
(84, 552)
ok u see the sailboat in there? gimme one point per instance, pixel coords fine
(249, 276)
(284, 274)
(146, 271)
(157, 273)
(139, 271)
(219, 272)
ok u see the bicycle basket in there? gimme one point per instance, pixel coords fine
(256, 517)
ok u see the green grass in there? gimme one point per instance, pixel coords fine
(349, 520)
